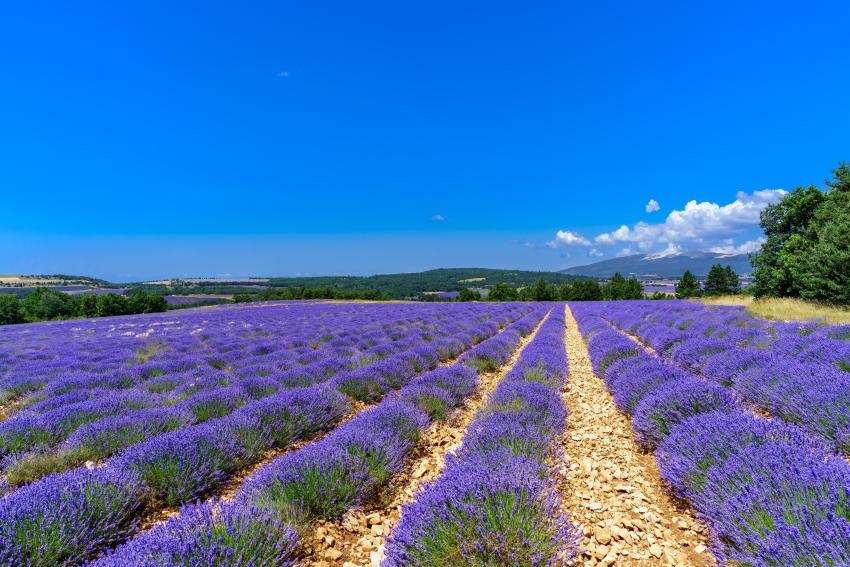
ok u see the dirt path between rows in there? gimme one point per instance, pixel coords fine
(358, 539)
(613, 491)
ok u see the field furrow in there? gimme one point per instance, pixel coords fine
(613, 490)
(345, 468)
(359, 537)
(768, 493)
(495, 502)
(336, 435)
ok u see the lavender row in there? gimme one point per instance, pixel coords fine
(493, 505)
(170, 469)
(65, 519)
(797, 373)
(27, 441)
(107, 436)
(766, 492)
(48, 360)
(323, 479)
(171, 369)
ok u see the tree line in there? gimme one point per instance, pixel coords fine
(720, 281)
(47, 305)
(292, 293)
(617, 288)
(807, 249)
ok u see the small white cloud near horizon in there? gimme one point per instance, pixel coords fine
(704, 226)
(744, 248)
(593, 252)
(438, 218)
(568, 238)
(652, 206)
(283, 74)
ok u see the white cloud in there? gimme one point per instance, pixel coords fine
(744, 248)
(699, 225)
(595, 253)
(438, 218)
(622, 234)
(652, 206)
(624, 252)
(568, 238)
(283, 74)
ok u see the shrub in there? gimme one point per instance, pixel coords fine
(664, 408)
(212, 534)
(67, 518)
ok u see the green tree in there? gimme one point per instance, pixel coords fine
(807, 250)
(565, 292)
(716, 282)
(110, 304)
(87, 305)
(824, 263)
(786, 229)
(45, 305)
(733, 283)
(503, 292)
(10, 310)
(469, 295)
(586, 290)
(687, 286)
(615, 288)
(145, 302)
(542, 291)
(632, 289)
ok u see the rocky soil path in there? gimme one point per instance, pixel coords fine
(358, 539)
(612, 490)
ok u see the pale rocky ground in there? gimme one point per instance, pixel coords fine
(612, 490)
(609, 488)
(359, 538)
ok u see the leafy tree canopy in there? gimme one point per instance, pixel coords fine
(807, 248)
(687, 286)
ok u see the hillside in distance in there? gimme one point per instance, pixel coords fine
(652, 266)
(394, 286)
(412, 284)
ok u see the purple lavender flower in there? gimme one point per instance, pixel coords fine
(67, 518)
(779, 504)
(663, 408)
(489, 510)
(211, 534)
(704, 441)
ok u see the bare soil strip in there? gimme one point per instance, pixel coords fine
(358, 539)
(612, 490)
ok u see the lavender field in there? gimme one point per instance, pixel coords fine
(468, 434)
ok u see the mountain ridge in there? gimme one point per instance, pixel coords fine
(657, 265)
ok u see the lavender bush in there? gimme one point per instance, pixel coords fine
(67, 518)
(211, 534)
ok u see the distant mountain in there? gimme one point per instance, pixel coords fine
(662, 265)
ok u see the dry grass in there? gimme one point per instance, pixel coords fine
(784, 308)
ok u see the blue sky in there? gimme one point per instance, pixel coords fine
(148, 139)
